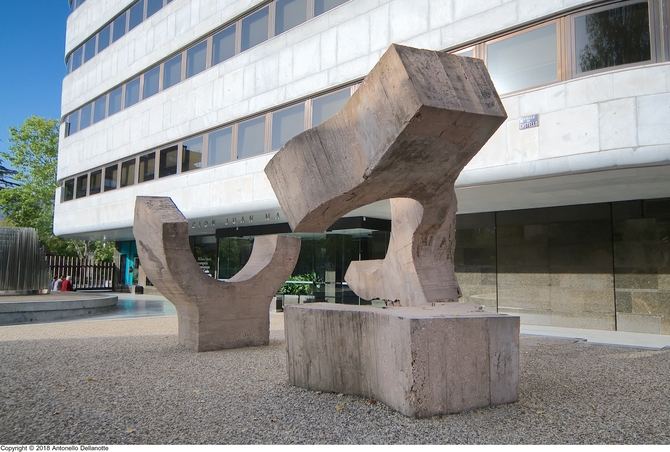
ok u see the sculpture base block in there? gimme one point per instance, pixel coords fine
(420, 361)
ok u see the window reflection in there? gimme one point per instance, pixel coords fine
(326, 106)
(196, 59)
(147, 167)
(151, 79)
(251, 137)
(96, 182)
(255, 28)
(111, 173)
(128, 173)
(192, 154)
(81, 186)
(167, 165)
(223, 45)
(219, 146)
(289, 13)
(286, 124)
(172, 72)
(132, 92)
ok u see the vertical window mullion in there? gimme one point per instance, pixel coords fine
(205, 151)
(310, 9)
(272, 16)
(183, 65)
(233, 142)
(267, 140)
(238, 36)
(210, 50)
(308, 114)
(180, 156)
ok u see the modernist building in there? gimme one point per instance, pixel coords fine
(564, 216)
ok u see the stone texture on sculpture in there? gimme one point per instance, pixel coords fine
(212, 314)
(407, 132)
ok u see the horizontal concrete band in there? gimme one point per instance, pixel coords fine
(43, 308)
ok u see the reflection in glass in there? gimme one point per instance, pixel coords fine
(326, 106)
(321, 6)
(286, 124)
(153, 6)
(251, 137)
(68, 190)
(95, 182)
(132, 92)
(76, 58)
(613, 37)
(524, 60)
(223, 45)
(192, 154)
(289, 13)
(219, 146)
(466, 53)
(115, 100)
(128, 173)
(151, 79)
(172, 71)
(167, 165)
(73, 121)
(85, 116)
(147, 167)
(111, 173)
(103, 38)
(135, 14)
(81, 186)
(255, 28)
(89, 49)
(119, 27)
(99, 108)
(196, 59)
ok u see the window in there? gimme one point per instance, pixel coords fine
(167, 165)
(132, 92)
(192, 154)
(196, 59)
(147, 167)
(326, 106)
(153, 6)
(286, 124)
(135, 14)
(96, 182)
(128, 173)
(119, 27)
(76, 58)
(289, 13)
(251, 137)
(111, 173)
(151, 79)
(466, 52)
(321, 6)
(99, 108)
(612, 37)
(115, 100)
(255, 28)
(172, 72)
(103, 38)
(89, 49)
(68, 190)
(85, 116)
(219, 146)
(73, 121)
(523, 60)
(81, 186)
(223, 45)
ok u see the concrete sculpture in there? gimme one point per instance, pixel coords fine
(212, 314)
(408, 131)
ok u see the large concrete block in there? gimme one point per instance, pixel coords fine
(421, 361)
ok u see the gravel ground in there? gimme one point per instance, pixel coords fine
(128, 381)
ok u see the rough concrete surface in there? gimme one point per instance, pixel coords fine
(128, 381)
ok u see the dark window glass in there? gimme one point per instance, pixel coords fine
(99, 108)
(68, 190)
(111, 173)
(168, 162)
(89, 49)
(172, 71)
(524, 60)
(95, 182)
(119, 27)
(135, 15)
(151, 79)
(81, 186)
(153, 6)
(85, 116)
(255, 28)
(286, 124)
(115, 100)
(132, 92)
(326, 106)
(223, 45)
(612, 38)
(219, 146)
(192, 154)
(103, 38)
(251, 137)
(289, 13)
(147, 167)
(321, 6)
(76, 58)
(128, 173)
(73, 121)
(196, 59)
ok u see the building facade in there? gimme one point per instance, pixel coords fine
(564, 216)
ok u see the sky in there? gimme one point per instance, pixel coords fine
(32, 46)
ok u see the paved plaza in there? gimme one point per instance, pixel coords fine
(127, 381)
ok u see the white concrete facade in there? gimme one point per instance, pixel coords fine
(602, 137)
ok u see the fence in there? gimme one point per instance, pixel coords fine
(85, 273)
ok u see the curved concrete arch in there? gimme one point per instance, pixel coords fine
(212, 314)
(408, 131)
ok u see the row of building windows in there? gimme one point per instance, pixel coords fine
(609, 36)
(256, 26)
(243, 139)
(130, 18)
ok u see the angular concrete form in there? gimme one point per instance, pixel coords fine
(421, 361)
(212, 314)
(413, 124)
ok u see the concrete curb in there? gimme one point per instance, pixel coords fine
(33, 310)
